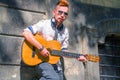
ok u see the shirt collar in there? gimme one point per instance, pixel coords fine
(53, 24)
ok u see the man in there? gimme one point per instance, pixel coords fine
(51, 29)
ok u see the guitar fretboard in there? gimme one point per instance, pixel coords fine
(66, 54)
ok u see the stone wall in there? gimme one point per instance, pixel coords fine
(15, 15)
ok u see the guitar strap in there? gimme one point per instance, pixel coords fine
(59, 65)
(53, 24)
(56, 34)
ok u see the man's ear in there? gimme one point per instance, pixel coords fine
(53, 12)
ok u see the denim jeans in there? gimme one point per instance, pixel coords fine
(49, 72)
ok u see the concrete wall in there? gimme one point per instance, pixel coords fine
(15, 15)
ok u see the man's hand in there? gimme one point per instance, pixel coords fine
(45, 52)
(82, 58)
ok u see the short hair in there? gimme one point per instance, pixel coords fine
(63, 3)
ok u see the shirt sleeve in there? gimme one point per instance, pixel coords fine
(36, 27)
(66, 40)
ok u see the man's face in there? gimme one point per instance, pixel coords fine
(60, 14)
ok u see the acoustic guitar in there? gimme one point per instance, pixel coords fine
(32, 57)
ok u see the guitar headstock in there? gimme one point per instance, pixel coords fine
(92, 58)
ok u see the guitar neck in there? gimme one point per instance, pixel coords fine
(66, 54)
(89, 57)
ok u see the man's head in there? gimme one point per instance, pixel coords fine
(61, 11)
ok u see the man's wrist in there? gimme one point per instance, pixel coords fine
(41, 48)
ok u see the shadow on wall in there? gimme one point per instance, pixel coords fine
(28, 73)
(86, 23)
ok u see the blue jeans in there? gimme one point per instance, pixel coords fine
(49, 72)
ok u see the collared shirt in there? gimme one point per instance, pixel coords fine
(47, 29)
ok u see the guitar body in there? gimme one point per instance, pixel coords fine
(31, 55)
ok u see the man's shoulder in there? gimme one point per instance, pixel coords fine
(44, 20)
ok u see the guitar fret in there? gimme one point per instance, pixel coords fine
(73, 55)
(67, 54)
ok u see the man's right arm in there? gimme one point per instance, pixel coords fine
(30, 38)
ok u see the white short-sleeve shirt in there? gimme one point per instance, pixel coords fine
(47, 29)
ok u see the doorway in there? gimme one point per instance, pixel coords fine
(109, 53)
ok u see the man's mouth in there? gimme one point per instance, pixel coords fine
(60, 19)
